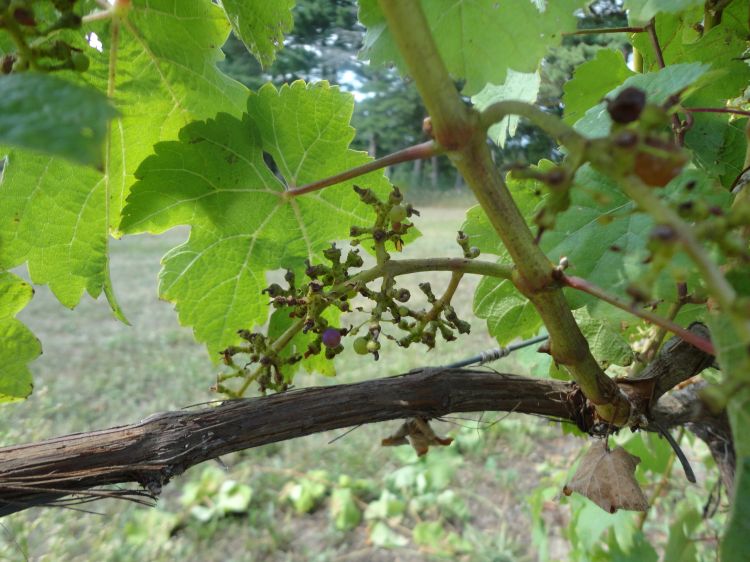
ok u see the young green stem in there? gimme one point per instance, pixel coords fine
(584, 286)
(458, 129)
(97, 16)
(417, 152)
(439, 304)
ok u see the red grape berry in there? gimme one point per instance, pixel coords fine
(331, 338)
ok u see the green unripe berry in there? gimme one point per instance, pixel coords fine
(80, 62)
(372, 346)
(397, 214)
(360, 346)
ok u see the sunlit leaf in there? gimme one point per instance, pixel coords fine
(216, 180)
(18, 346)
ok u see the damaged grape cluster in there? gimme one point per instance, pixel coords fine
(342, 282)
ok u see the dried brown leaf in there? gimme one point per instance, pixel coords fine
(608, 479)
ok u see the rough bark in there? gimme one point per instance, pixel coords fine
(77, 467)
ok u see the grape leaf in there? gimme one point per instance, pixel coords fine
(48, 114)
(734, 545)
(508, 313)
(604, 239)
(641, 11)
(216, 180)
(658, 86)
(260, 25)
(164, 77)
(607, 345)
(478, 40)
(518, 86)
(715, 140)
(607, 478)
(592, 81)
(19, 346)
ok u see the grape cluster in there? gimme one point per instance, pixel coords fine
(334, 284)
(34, 27)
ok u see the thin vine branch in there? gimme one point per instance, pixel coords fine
(584, 286)
(654, 38)
(598, 30)
(417, 152)
(732, 110)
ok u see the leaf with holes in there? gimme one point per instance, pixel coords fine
(607, 478)
(216, 179)
(260, 25)
(519, 86)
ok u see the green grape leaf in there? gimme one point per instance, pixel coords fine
(164, 77)
(216, 180)
(604, 239)
(734, 545)
(641, 11)
(681, 544)
(658, 86)
(519, 86)
(48, 114)
(592, 81)
(607, 345)
(717, 143)
(479, 40)
(70, 253)
(19, 346)
(508, 313)
(261, 25)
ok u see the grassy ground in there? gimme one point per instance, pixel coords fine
(96, 372)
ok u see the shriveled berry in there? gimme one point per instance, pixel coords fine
(331, 337)
(627, 106)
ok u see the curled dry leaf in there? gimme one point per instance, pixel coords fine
(417, 433)
(608, 479)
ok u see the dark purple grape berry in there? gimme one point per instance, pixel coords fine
(627, 106)
(331, 337)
